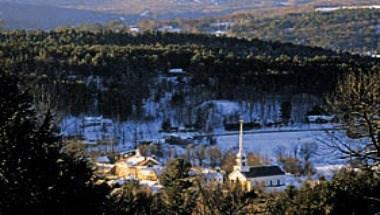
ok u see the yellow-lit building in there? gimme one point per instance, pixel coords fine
(138, 167)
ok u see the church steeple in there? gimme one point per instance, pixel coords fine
(241, 147)
(241, 158)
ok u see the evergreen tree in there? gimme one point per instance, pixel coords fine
(166, 125)
(178, 194)
(286, 112)
(131, 199)
(36, 175)
(228, 200)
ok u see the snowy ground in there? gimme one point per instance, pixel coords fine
(263, 141)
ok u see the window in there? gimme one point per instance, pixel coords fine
(271, 183)
(278, 182)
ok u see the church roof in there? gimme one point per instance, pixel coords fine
(148, 162)
(263, 171)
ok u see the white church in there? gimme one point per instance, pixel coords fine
(251, 176)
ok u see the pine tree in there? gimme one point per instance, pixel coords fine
(178, 194)
(36, 175)
(229, 200)
(286, 112)
(131, 199)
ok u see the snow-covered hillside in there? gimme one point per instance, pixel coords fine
(177, 111)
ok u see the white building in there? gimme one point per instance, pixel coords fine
(213, 177)
(208, 176)
(251, 176)
(169, 29)
(139, 167)
(177, 71)
(134, 29)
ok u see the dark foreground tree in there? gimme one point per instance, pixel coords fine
(178, 194)
(132, 199)
(349, 192)
(36, 175)
(225, 200)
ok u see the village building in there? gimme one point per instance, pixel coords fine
(169, 29)
(137, 166)
(104, 166)
(177, 71)
(213, 177)
(208, 176)
(251, 176)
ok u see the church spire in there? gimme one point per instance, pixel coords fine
(241, 147)
(241, 158)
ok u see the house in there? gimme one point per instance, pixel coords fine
(104, 168)
(177, 71)
(213, 177)
(251, 176)
(134, 29)
(208, 176)
(320, 119)
(169, 29)
(137, 166)
(220, 33)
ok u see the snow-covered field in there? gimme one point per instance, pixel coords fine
(326, 159)
(266, 144)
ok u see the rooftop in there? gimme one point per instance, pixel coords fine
(263, 171)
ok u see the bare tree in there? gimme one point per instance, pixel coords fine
(356, 102)
(200, 154)
(215, 156)
(307, 151)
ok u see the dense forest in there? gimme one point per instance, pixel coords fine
(73, 69)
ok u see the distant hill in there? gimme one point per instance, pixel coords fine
(47, 17)
(52, 13)
(355, 30)
(344, 29)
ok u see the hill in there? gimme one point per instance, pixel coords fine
(355, 30)
(118, 74)
(352, 29)
(25, 16)
(50, 14)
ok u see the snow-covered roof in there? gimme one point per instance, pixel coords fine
(177, 71)
(213, 175)
(206, 172)
(92, 118)
(134, 158)
(314, 118)
(103, 159)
